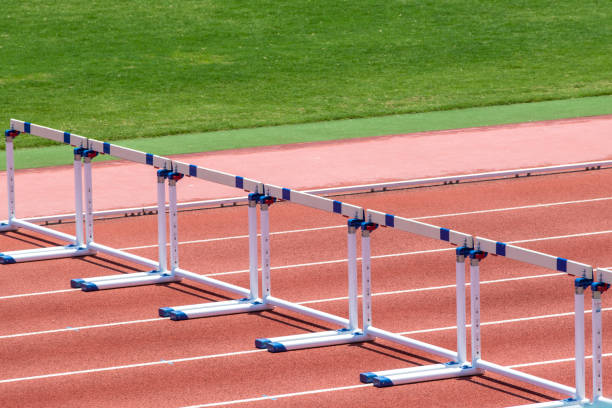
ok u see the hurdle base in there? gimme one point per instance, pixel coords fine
(368, 377)
(6, 227)
(123, 281)
(426, 373)
(311, 340)
(213, 309)
(40, 254)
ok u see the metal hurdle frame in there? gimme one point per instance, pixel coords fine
(599, 282)
(264, 195)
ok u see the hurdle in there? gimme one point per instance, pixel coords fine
(477, 249)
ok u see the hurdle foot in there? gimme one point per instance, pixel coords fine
(311, 340)
(123, 281)
(6, 227)
(213, 309)
(412, 375)
(40, 254)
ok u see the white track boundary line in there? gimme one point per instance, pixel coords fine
(277, 396)
(523, 207)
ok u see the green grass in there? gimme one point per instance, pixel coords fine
(114, 69)
(331, 130)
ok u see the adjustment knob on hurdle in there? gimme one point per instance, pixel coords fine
(266, 200)
(162, 174)
(368, 226)
(90, 154)
(600, 287)
(174, 176)
(477, 254)
(78, 151)
(11, 133)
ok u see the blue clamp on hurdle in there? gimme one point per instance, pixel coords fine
(582, 282)
(463, 251)
(11, 133)
(254, 196)
(163, 173)
(600, 287)
(174, 176)
(477, 254)
(354, 222)
(78, 151)
(368, 226)
(266, 199)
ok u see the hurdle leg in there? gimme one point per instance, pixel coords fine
(89, 232)
(366, 275)
(161, 223)
(352, 276)
(173, 220)
(78, 198)
(475, 310)
(253, 255)
(579, 342)
(10, 184)
(460, 304)
(265, 251)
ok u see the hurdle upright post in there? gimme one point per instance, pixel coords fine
(580, 284)
(78, 195)
(10, 136)
(88, 155)
(461, 252)
(161, 219)
(253, 255)
(352, 224)
(475, 305)
(173, 177)
(366, 274)
(265, 202)
(597, 289)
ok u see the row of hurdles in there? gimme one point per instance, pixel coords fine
(263, 196)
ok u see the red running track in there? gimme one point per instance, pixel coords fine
(62, 347)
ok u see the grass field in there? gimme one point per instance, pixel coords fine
(128, 69)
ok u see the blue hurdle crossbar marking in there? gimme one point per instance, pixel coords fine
(27, 127)
(149, 159)
(337, 207)
(106, 148)
(390, 220)
(193, 170)
(444, 234)
(500, 249)
(239, 182)
(67, 137)
(562, 264)
(286, 194)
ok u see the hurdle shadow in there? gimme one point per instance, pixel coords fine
(501, 386)
(29, 239)
(203, 293)
(395, 353)
(290, 321)
(108, 264)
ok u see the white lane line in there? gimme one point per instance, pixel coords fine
(277, 396)
(561, 360)
(518, 319)
(237, 353)
(51, 292)
(121, 367)
(77, 328)
(523, 207)
(395, 292)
